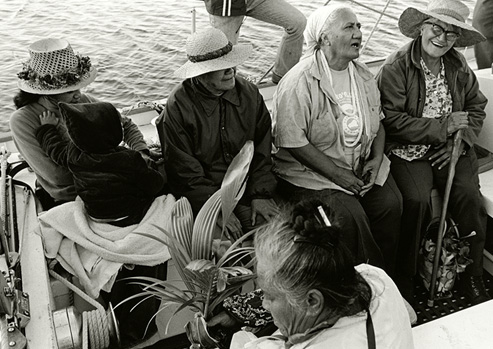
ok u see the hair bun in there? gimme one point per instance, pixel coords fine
(310, 226)
(303, 226)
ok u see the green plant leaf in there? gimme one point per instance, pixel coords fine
(190, 245)
(205, 277)
(182, 223)
(188, 304)
(203, 229)
(178, 252)
(234, 181)
(234, 247)
(221, 281)
(237, 256)
(226, 198)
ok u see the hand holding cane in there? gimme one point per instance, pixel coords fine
(448, 186)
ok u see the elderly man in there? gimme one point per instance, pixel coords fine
(207, 120)
(330, 140)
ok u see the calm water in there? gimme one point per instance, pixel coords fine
(137, 44)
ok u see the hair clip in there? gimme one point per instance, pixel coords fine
(324, 216)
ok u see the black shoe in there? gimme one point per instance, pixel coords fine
(473, 288)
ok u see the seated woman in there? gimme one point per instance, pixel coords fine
(53, 74)
(428, 92)
(316, 296)
(330, 137)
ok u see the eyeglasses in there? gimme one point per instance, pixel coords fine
(438, 30)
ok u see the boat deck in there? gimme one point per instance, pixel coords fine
(443, 307)
(428, 317)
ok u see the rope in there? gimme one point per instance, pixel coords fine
(375, 27)
(95, 325)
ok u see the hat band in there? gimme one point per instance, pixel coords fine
(211, 55)
(62, 79)
(449, 13)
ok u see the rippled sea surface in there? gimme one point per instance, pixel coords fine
(138, 44)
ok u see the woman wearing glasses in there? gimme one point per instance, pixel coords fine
(428, 92)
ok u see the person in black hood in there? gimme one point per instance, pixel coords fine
(115, 183)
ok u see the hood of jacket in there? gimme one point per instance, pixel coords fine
(93, 127)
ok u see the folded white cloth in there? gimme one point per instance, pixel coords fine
(94, 252)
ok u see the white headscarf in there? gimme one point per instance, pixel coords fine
(315, 25)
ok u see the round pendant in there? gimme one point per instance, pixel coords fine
(351, 125)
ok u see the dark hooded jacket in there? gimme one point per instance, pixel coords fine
(113, 181)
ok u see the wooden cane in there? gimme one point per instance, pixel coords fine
(441, 227)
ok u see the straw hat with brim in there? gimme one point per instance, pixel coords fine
(452, 12)
(54, 68)
(210, 50)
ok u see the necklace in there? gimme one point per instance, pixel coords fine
(353, 118)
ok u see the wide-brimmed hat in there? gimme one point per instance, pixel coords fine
(453, 12)
(54, 68)
(210, 50)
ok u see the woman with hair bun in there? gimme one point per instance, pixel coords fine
(315, 294)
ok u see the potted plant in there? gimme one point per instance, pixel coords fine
(208, 278)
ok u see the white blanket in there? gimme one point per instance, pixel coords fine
(94, 252)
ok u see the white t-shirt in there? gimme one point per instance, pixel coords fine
(351, 123)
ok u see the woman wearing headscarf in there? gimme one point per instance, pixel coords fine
(428, 93)
(330, 140)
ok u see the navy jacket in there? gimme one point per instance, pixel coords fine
(202, 133)
(112, 181)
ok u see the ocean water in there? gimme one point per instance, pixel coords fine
(136, 45)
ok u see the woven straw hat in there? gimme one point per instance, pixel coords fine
(453, 12)
(54, 68)
(210, 50)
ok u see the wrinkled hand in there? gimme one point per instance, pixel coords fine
(48, 118)
(347, 180)
(267, 208)
(370, 170)
(223, 319)
(233, 229)
(442, 157)
(456, 121)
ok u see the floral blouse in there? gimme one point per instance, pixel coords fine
(438, 102)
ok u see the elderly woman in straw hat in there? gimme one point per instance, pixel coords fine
(207, 120)
(53, 74)
(428, 93)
